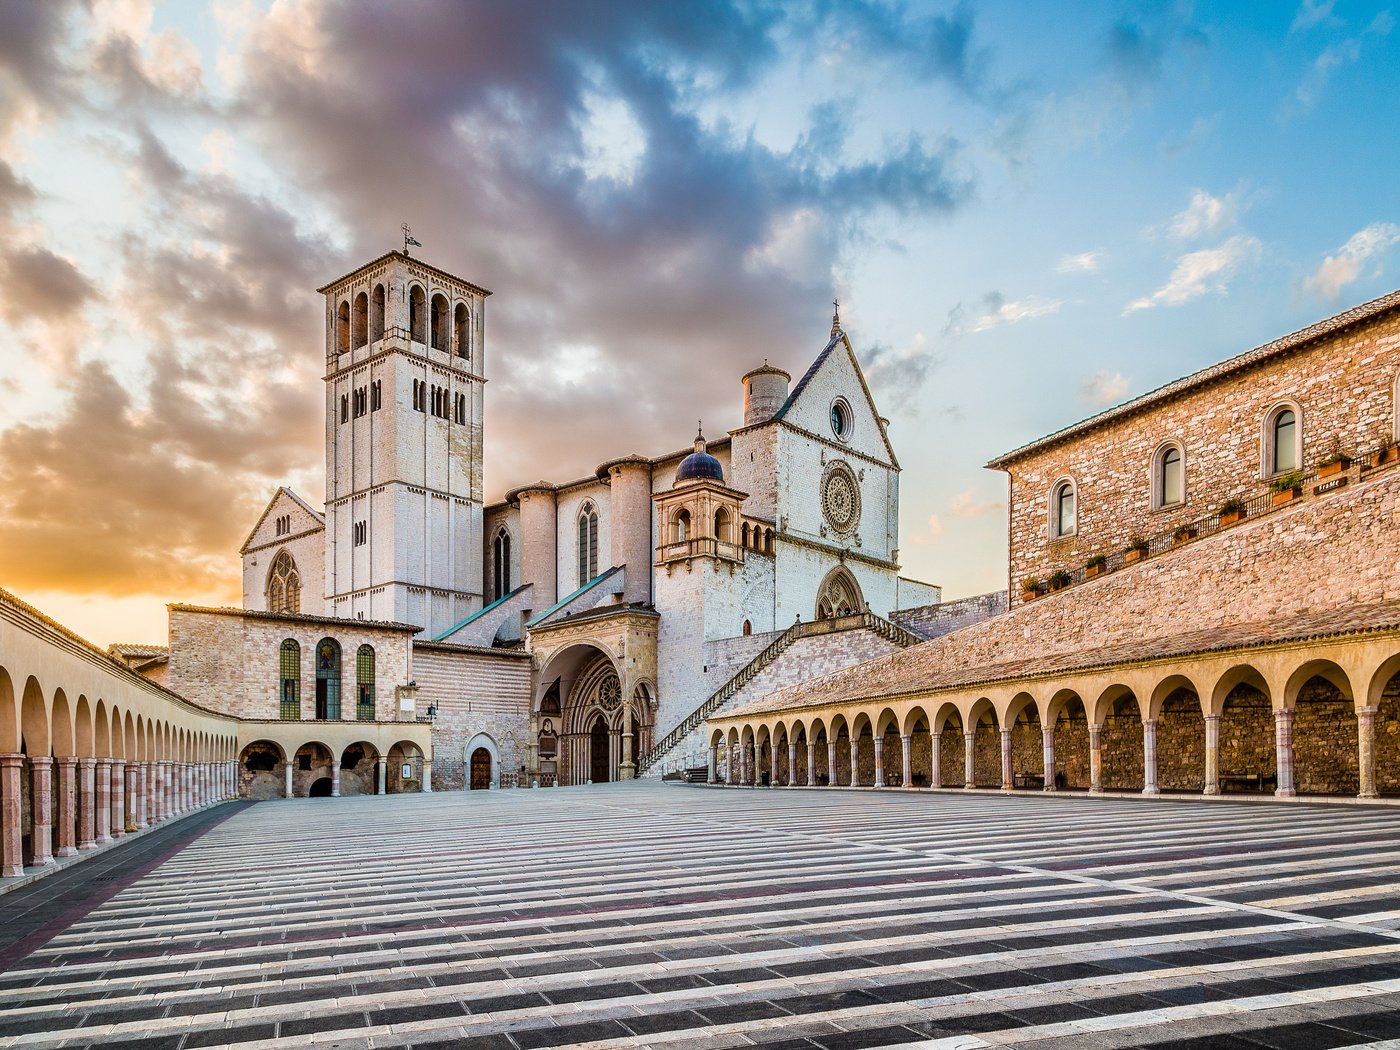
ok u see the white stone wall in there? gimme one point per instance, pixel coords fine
(569, 503)
(304, 541)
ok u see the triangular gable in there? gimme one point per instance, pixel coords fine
(286, 497)
(839, 342)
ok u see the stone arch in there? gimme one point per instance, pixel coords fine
(1121, 739)
(946, 754)
(359, 769)
(918, 727)
(262, 771)
(359, 321)
(311, 763)
(1242, 698)
(417, 313)
(9, 715)
(462, 330)
(1325, 731)
(439, 321)
(1383, 701)
(1178, 714)
(478, 778)
(404, 755)
(839, 733)
(985, 726)
(839, 595)
(1070, 721)
(342, 327)
(376, 314)
(1027, 742)
(34, 719)
(82, 728)
(863, 740)
(61, 725)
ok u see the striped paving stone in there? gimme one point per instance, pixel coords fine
(661, 915)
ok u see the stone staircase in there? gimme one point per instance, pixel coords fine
(803, 651)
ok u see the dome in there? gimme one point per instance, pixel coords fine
(699, 465)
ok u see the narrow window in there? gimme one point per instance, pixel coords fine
(587, 544)
(359, 325)
(1285, 442)
(344, 408)
(722, 525)
(462, 324)
(1171, 486)
(342, 328)
(375, 400)
(439, 323)
(417, 307)
(683, 526)
(328, 679)
(364, 681)
(1062, 509)
(376, 314)
(501, 562)
(290, 691)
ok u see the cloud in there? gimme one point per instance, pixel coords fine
(897, 375)
(1084, 262)
(1205, 215)
(1104, 389)
(998, 310)
(1339, 270)
(932, 531)
(1312, 13)
(1334, 57)
(1197, 273)
(966, 505)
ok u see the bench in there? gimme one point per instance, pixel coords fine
(1028, 782)
(1257, 781)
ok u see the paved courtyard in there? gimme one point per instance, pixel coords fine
(660, 915)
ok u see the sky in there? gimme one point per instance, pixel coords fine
(1029, 212)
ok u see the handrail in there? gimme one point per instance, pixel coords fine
(1361, 464)
(886, 629)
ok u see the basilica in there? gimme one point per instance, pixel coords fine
(561, 635)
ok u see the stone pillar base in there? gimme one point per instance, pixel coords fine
(626, 771)
(1211, 789)
(1151, 791)
(1285, 793)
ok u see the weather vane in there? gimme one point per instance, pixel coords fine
(408, 239)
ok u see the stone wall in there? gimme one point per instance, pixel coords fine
(934, 621)
(1344, 386)
(474, 691)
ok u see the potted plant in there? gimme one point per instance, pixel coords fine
(1137, 550)
(1183, 533)
(1095, 566)
(1286, 487)
(1231, 511)
(1031, 589)
(1059, 579)
(1333, 464)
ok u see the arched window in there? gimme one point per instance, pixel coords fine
(364, 683)
(1168, 476)
(500, 548)
(587, 544)
(417, 308)
(328, 679)
(722, 525)
(1283, 440)
(839, 596)
(359, 323)
(748, 628)
(283, 585)
(682, 525)
(463, 333)
(1063, 510)
(376, 314)
(342, 328)
(439, 317)
(744, 535)
(290, 674)
(768, 541)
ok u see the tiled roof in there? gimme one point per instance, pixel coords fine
(127, 650)
(1292, 341)
(332, 621)
(909, 671)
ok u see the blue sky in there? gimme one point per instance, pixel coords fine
(1028, 212)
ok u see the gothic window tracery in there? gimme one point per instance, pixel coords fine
(283, 585)
(500, 547)
(839, 596)
(364, 683)
(587, 544)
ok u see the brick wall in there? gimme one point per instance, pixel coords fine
(474, 691)
(1343, 385)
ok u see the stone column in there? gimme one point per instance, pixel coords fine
(855, 762)
(129, 816)
(87, 804)
(1283, 742)
(118, 821)
(1047, 744)
(427, 775)
(11, 834)
(67, 805)
(381, 777)
(287, 787)
(792, 764)
(906, 766)
(170, 804)
(879, 760)
(1212, 755)
(1366, 748)
(155, 794)
(1095, 756)
(186, 787)
(969, 739)
(831, 780)
(41, 809)
(1149, 756)
(335, 779)
(713, 778)
(935, 760)
(103, 796)
(811, 763)
(1007, 783)
(138, 794)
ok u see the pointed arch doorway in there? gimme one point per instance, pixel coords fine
(599, 756)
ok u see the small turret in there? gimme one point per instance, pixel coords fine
(765, 391)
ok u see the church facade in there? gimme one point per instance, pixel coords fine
(629, 595)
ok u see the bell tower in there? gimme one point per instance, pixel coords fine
(405, 366)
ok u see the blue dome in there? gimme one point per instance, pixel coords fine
(700, 465)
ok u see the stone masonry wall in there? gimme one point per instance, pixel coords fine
(1343, 385)
(933, 621)
(473, 691)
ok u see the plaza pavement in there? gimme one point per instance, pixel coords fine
(660, 915)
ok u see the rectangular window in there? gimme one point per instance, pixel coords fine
(344, 408)
(360, 533)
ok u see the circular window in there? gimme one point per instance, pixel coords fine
(841, 498)
(840, 418)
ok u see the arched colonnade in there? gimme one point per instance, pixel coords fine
(1313, 719)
